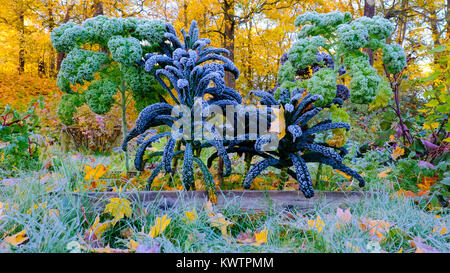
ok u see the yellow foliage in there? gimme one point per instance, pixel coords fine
(339, 138)
(397, 152)
(98, 228)
(316, 224)
(160, 226)
(191, 216)
(93, 174)
(376, 228)
(17, 239)
(384, 173)
(344, 174)
(261, 237)
(18, 90)
(118, 208)
(219, 221)
(108, 249)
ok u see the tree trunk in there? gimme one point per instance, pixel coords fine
(228, 39)
(98, 8)
(447, 19)
(60, 56)
(228, 43)
(369, 11)
(185, 14)
(51, 26)
(248, 74)
(435, 34)
(21, 26)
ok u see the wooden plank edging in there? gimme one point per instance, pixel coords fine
(249, 199)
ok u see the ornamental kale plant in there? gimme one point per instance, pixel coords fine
(195, 72)
(312, 78)
(343, 39)
(297, 145)
(102, 60)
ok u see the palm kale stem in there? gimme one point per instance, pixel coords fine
(284, 177)
(319, 169)
(319, 173)
(220, 165)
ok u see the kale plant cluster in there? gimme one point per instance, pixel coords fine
(140, 54)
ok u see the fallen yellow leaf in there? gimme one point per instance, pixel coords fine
(397, 152)
(344, 174)
(132, 245)
(118, 208)
(94, 173)
(261, 237)
(109, 250)
(219, 221)
(17, 239)
(377, 228)
(99, 228)
(191, 216)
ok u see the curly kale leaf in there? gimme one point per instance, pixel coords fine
(286, 72)
(378, 28)
(383, 96)
(80, 65)
(151, 31)
(315, 23)
(144, 87)
(339, 138)
(127, 51)
(304, 51)
(102, 28)
(63, 83)
(364, 82)
(323, 83)
(352, 36)
(394, 58)
(99, 95)
(68, 36)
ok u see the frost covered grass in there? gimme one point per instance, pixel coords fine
(58, 223)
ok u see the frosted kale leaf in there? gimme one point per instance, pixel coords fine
(364, 81)
(103, 55)
(384, 94)
(352, 36)
(304, 51)
(377, 27)
(127, 51)
(68, 107)
(151, 31)
(315, 23)
(99, 95)
(333, 40)
(80, 65)
(394, 58)
(323, 83)
(68, 36)
(286, 72)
